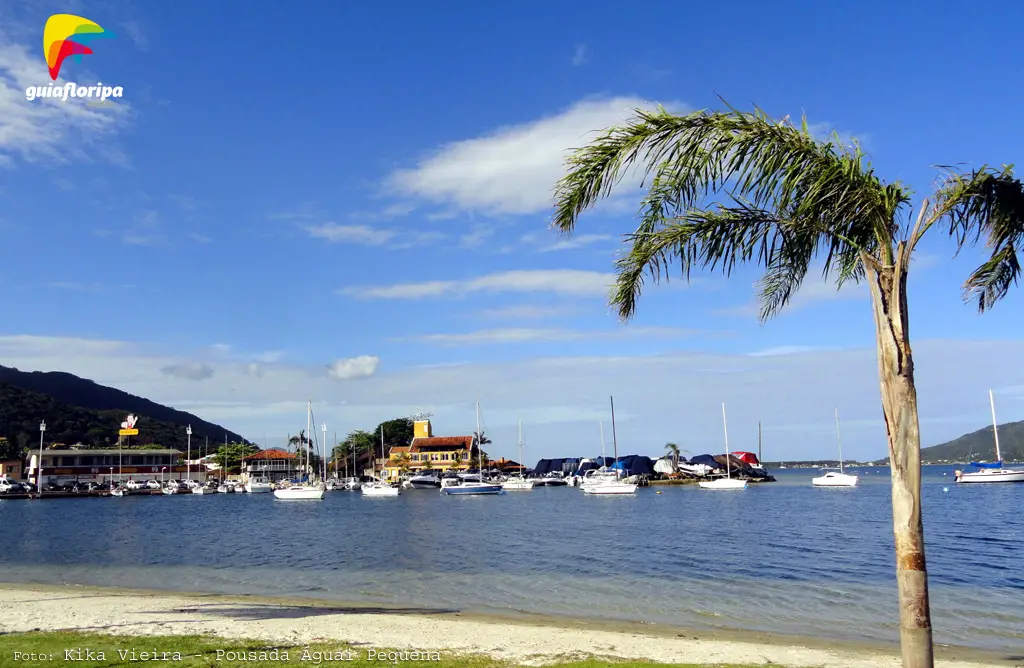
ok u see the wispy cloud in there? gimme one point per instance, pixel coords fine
(579, 56)
(199, 238)
(366, 235)
(576, 241)
(189, 371)
(525, 312)
(554, 281)
(147, 230)
(528, 335)
(511, 170)
(134, 31)
(49, 130)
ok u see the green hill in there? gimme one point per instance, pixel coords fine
(977, 446)
(77, 410)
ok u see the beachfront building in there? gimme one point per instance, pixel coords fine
(102, 465)
(11, 468)
(427, 451)
(273, 464)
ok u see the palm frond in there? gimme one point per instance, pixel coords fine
(790, 196)
(986, 203)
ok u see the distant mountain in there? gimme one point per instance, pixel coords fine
(80, 410)
(978, 446)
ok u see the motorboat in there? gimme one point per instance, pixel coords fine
(117, 491)
(352, 484)
(226, 488)
(425, 480)
(380, 488)
(257, 485)
(170, 489)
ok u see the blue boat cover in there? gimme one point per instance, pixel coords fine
(635, 465)
(987, 465)
(706, 460)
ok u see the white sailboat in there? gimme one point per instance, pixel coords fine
(478, 486)
(380, 487)
(303, 491)
(602, 483)
(991, 472)
(519, 483)
(831, 477)
(728, 482)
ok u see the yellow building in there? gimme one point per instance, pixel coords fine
(427, 451)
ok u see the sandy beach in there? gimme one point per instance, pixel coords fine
(525, 640)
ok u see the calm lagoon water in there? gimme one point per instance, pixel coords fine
(781, 557)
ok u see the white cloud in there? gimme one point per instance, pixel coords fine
(658, 398)
(527, 335)
(555, 281)
(814, 290)
(147, 230)
(47, 130)
(188, 370)
(199, 238)
(579, 56)
(514, 169)
(372, 236)
(353, 234)
(363, 366)
(525, 311)
(577, 241)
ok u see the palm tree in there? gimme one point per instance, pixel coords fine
(673, 450)
(785, 198)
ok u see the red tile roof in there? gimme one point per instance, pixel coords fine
(271, 454)
(441, 442)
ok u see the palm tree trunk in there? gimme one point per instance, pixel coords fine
(888, 286)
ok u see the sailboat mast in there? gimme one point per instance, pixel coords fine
(995, 428)
(759, 441)
(725, 428)
(521, 446)
(839, 440)
(479, 444)
(309, 418)
(615, 440)
(600, 423)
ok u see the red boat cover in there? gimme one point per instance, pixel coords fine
(748, 457)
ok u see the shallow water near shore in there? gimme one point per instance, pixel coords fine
(779, 558)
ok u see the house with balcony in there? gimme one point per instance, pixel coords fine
(427, 451)
(273, 464)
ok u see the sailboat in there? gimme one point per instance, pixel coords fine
(991, 472)
(306, 490)
(379, 487)
(519, 482)
(728, 482)
(602, 482)
(833, 478)
(475, 486)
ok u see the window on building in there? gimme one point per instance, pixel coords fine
(86, 461)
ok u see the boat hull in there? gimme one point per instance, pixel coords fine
(723, 483)
(518, 485)
(380, 490)
(991, 476)
(835, 480)
(424, 484)
(611, 488)
(203, 490)
(465, 490)
(258, 488)
(300, 493)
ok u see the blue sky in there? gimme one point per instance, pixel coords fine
(351, 203)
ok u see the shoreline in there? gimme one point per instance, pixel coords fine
(522, 637)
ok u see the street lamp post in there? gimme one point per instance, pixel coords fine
(188, 461)
(111, 480)
(162, 479)
(39, 464)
